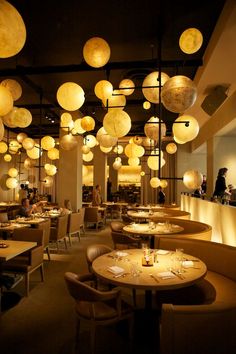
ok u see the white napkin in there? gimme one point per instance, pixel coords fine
(115, 270)
(166, 275)
(121, 254)
(162, 252)
(187, 264)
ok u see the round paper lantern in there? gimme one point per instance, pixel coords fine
(142, 173)
(53, 154)
(88, 157)
(77, 127)
(35, 153)
(148, 142)
(178, 141)
(90, 141)
(14, 87)
(137, 140)
(14, 146)
(152, 93)
(11, 182)
(133, 150)
(146, 105)
(151, 129)
(118, 149)
(171, 148)
(178, 94)
(7, 158)
(67, 124)
(96, 52)
(48, 181)
(2, 129)
(153, 161)
(105, 139)
(28, 143)
(192, 179)
(117, 123)
(47, 142)
(103, 89)
(154, 182)
(115, 102)
(117, 165)
(21, 136)
(133, 161)
(163, 183)
(190, 40)
(22, 117)
(12, 31)
(51, 170)
(70, 96)
(8, 119)
(85, 149)
(3, 147)
(13, 172)
(186, 131)
(6, 100)
(28, 163)
(68, 142)
(87, 123)
(118, 159)
(105, 149)
(126, 87)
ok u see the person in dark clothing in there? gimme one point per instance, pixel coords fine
(161, 196)
(220, 185)
(204, 185)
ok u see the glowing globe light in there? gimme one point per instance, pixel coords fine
(178, 94)
(14, 146)
(151, 93)
(117, 165)
(47, 142)
(13, 172)
(11, 183)
(105, 139)
(87, 123)
(90, 141)
(6, 100)
(133, 161)
(126, 87)
(171, 148)
(96, 52)
(3, 147)
(154, 182)
(186, 131)
(66, 123)
(12, 30)
(163, 183)
(137, 140)
(7, 158)
(142, 173)
(106, 150)
(115, 102)
(20, 137)
(153, 161)
(118, 149)
(2, 129)
(151, 129)
(68, 142)
(192, 179)
(148, 142)
(88, 157)
(85, 149)
(146, 105)
(117, 123)
(28, 163)
(28, 143)
(103, 89)
(14, 87)
(53, 154)
(22, 118)
(133, 150)
(77, 127)
(70, 96)
(48, 182)
(35, 153)
(8, 119)
(51, 170)
(190, 40)
(178, 141)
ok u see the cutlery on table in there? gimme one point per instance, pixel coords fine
(177, 275)
(154, 277)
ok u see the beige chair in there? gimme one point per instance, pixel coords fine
(98, 308)
(122, 241)
(115, 211)
(73, 226)
(92, 216)
(59, 232)
(29, 261)
(46, 227)
(94, 251)
(81, 221)
(126, 219)
(3, 217)
(117, 226)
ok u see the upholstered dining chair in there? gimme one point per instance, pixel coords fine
(3, 217)
(122, 241)
(117, 226)
(73, 226)
(98, 308)
(81, 221)
(29, 261)
(94, 251)
(46, 227)
(59, 232)
(92, 216)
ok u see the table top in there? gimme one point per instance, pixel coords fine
(144, 279)
(12, 226)
(115, 203)
(4, 204)
(141, 214)
(29, 221)
(14, 249)
(155, 229)
(49, 214)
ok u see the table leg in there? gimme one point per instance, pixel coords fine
(148, 299)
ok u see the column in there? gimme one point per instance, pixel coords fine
(100, 171)
(113, 175)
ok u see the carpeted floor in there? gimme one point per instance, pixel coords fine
(45, 321)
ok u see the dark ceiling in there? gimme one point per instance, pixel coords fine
(57, 31)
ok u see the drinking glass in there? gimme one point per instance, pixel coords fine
(179, 259)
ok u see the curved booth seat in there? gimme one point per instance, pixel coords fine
(174, 213)
(191, 229)
(207, 324)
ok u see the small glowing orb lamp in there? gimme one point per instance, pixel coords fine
(11, 183)
(77, 127)
(116, 102)
(85, 149)
(118, 149)
(150, 92)
(163, 183)
(6, 100)
(3, 147)
(106, 150)
(154, 182)
(186, 131)
(171, 148)
(103, 89)
(117, 123)
(133, 161)
(146, 105)
(137, 140)
(47, 142)
(14, 87)
(13, 172)
(68, 142)
(28, 163)
(35, 153)
(20, 137)
(96, 52)
(192, 179)
(126, 87)
(87, 123)
(117, 164)
(28, 143)
(88, 157)
(51, 170)
(48, 182)
(105, 139)
(142, 173)
(70, 96)
(22, 118)
(7, 158)
(151, 129)
(190, 40)
(53, 154)
(14, 146)
(90, 140)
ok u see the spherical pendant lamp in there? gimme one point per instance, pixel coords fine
(171, 148)
(103, 89)
(152, 93)
(192, 179)
(87, 123)
(28, 143)
(11, 183)
(186, 131)
(2, 129)
(14, 87)
(7, 158)
(35, 153)
(90, 140)
(3, 147)
(14, 146)
(6, 100)
(133, 161)
(118, 149)
(115, 102)
(96, 52)
(13, 172)
(151, 129)
(53, 154)
(178, 94)
(137, 140)
(28, 163)
(68, 142)
(85, 149)
(146, 105)
(8, 119)
(117, 164)
(147, 142)
(117, 123)
(105, 139)
(190, 40)
(163, 183)
(153, 160)
(106, 150)
(48, 182)
(178, 141)
(22, 118)
(66, 122)
(142, 173)
(77, 127)
(126, 87)
(20, 137)
(154, 182)
(88, 157)
(47, 142)
(70, 96)
(133, 150)
(51, 170)
(12, 30)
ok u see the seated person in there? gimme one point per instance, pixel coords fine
(26, 209)
(67, 208)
